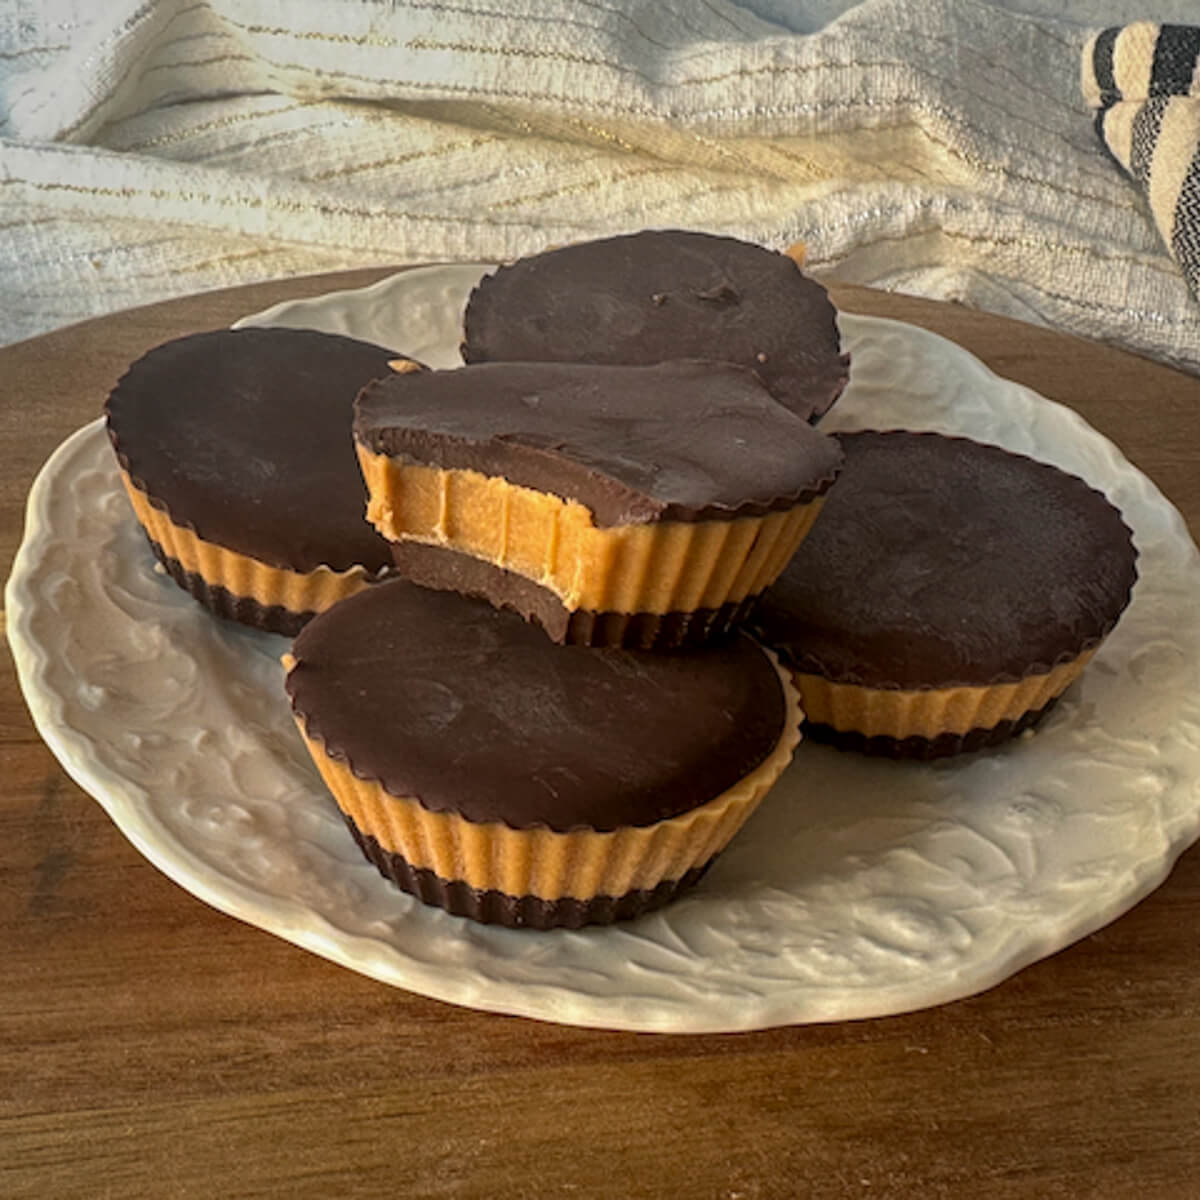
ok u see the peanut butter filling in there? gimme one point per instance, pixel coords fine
(797, 252)
(660, 567)
(296, 591)
(899, 714)
(541, 862)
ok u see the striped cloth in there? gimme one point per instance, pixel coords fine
(1143, 80)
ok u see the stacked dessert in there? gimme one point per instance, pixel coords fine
(635, 506)
(525, 674)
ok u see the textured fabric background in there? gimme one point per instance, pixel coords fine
(941, 147)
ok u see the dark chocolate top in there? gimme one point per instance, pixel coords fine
(471, 710)
(939, 561)
(662, 294)
(243, 436)
(682, 441)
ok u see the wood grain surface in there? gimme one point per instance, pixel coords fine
(150, 1046)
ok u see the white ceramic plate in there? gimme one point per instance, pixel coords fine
(860, 888)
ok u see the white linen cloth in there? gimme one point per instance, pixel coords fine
(150, 148)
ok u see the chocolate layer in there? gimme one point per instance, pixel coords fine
(943, 746)
(243, 436)
(939, 561)
(468, 709)
(273, 618)
(523, 912)
(683, 441)
(663, 294)
(453, 571)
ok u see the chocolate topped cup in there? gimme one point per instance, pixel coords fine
(649, 297)
(507, 779)
(583, 482)
(949, 594)
(235, 448)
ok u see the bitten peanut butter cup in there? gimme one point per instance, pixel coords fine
(948, 596)
(635, 527)
(236, 451)
(510, 780)
(656, 295)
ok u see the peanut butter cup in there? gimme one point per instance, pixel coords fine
(507, 779)
(236, 452)
(949, 594)
(588, 503)
(648, 297)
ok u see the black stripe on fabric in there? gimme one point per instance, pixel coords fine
(1175, 54)
(1102, 64)
(1185, 234)
(1098, 125)
(1146, 127)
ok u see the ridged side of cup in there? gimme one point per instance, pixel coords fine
(930, 722)
(655, 567)
(249, 586)
(930, 712)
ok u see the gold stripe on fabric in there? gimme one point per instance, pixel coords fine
(154, 45)
(425, 43)
(183, 268)
(180, 135)
(681, 198)
(809, 164)
(246, 201)
(982, 164)
(293, 134)
(314, 35)
(395, 160)
(200, 62)
(1129, 316)
(604, 135)
(26, 222)
(1164, 267)
(473, 11)
(577, 189)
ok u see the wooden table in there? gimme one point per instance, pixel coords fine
(150, 1046)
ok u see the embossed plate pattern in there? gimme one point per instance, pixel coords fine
(860, 888)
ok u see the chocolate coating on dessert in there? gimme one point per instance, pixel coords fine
(662, 294)
(518, 912)
(613, 438)
(245, 610)
(926, 749)
(244, 437)
(470, 710)
(938, 561)
(451, 570)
